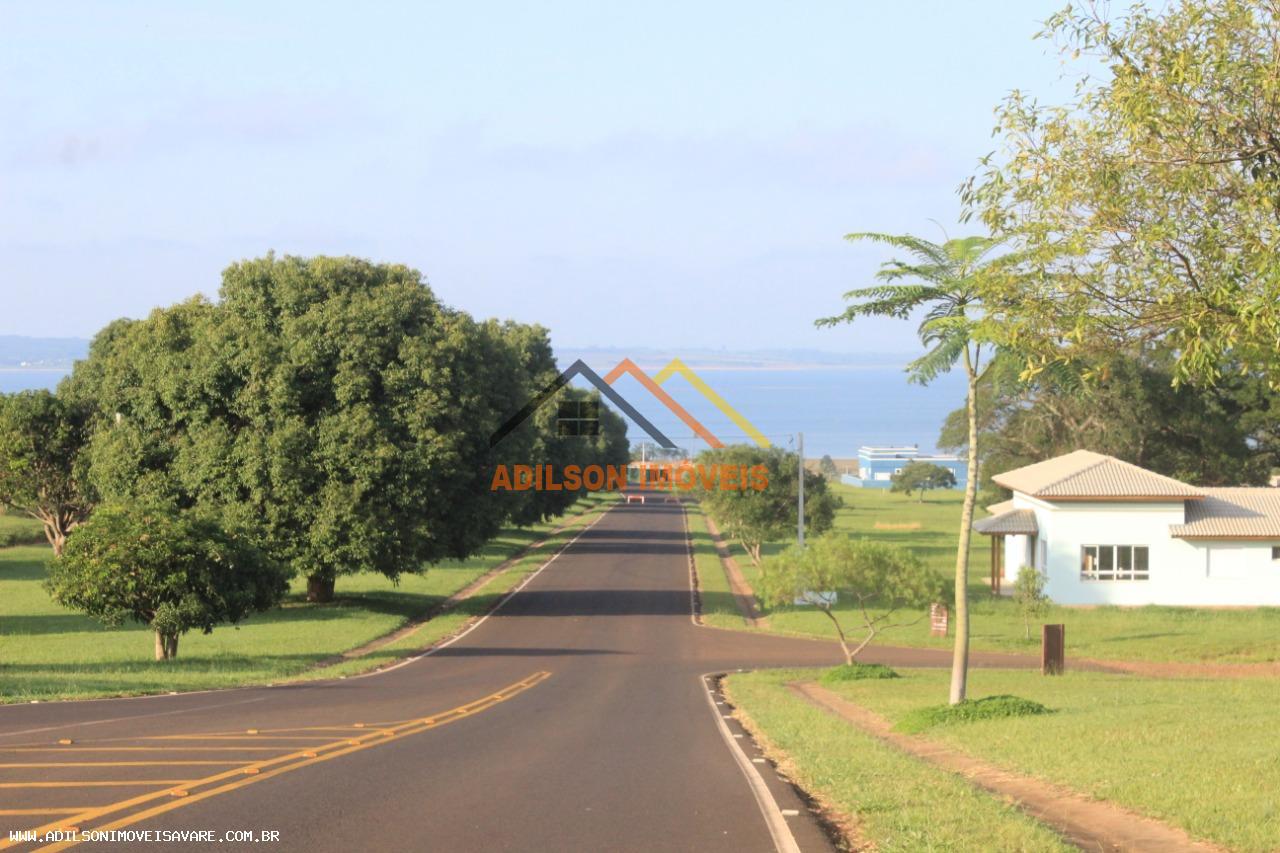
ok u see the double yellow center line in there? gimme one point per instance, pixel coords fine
(252, 772)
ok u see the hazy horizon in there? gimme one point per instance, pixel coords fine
(676, 174)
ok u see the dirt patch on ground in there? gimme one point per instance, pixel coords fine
(906, 525)
(743, 594)
(1167, 669)
(1088, 824)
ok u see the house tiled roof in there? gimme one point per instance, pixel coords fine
(1003, 506)
(1011, 522)
(1238, 513)
(1085, 475)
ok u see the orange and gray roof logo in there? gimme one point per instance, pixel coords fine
(583, 421)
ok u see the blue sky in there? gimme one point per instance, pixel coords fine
(661, 174)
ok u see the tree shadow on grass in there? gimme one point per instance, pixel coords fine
(390, 603)
(23, 570)
(53, 623)
(1120, 638)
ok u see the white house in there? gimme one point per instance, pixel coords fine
(1108, 532)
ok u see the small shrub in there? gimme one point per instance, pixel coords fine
(855, 672)
(987, 708)
(1028, 594)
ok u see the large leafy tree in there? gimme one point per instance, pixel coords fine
(147, 562)
(538, 440)
(753, 516)
(1148, 206)
(332, 403)
(42, 461)
(1221, 435)
(920, 477)
(943, 283)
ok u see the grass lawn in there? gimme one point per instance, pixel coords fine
(930, 529)
(898, 803)
(718, 606)
(20, 530)
(1201, 754)
(47, 652)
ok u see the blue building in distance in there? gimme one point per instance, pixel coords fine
(877, 465)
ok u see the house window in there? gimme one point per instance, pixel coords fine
(1114, 563)
(1275, 553)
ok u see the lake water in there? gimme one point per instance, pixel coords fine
(837, 408)
(29, 380)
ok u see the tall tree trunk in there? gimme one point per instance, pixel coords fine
(320, 589)
(960, 654)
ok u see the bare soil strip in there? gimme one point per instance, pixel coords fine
(1171, 669)
(743, 594)
(1088, 824)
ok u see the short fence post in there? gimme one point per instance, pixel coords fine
(938, 620)
(1053, 650)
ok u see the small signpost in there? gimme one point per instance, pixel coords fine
(938, 620)
(1053, 650)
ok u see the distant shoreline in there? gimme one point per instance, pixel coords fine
(766, 368)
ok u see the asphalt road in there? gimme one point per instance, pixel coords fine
(576, 717)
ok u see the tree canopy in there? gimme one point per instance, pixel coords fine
(920, 477)
(332, 404)
(148, 562)
(1148, 206)
(879, 581)
(754, 517)
(42, 463)
(827, 467)
(1224, 435)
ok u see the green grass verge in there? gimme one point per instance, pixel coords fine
(47, 652)
(1105, 633)
(1199, 753)
(719, 609)
(898, 802)
(19, 530)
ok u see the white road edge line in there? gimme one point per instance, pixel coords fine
(783, 840)
(476, 624)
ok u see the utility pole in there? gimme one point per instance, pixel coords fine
(800, 493)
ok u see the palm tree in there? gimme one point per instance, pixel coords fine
(943, 281)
